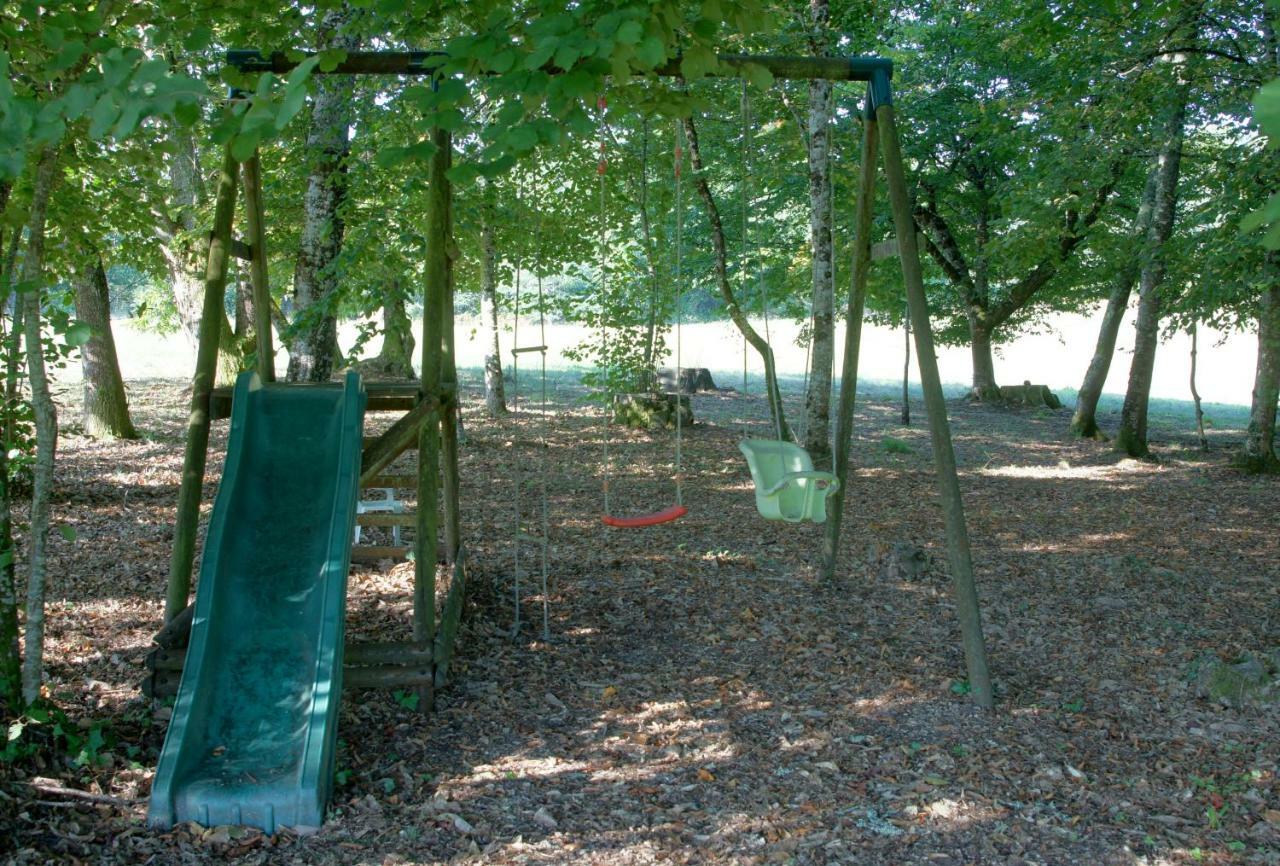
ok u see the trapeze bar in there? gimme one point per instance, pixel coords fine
(857, 68)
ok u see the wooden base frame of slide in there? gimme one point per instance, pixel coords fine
(435, 416)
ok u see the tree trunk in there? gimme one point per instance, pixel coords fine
(106, 408)
(396, 356)
(984, 367)
(1259, 451)
(313, 347)
(1084, 422)
(1195, 392)
(732, 307)
(46, 418)
(906, 369)
(10, 654)
(178, 236)
(495, 398)
(1131, 438)
(818, 397)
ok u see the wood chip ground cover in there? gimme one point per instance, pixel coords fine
(704, 698)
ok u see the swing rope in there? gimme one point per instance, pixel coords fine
(775, 397)
(677, 510)
(516, 349)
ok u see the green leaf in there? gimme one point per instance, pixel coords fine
(697, 62)
(78, 333)
(1266, 107)
(330, 58)
(651, 51)
(629, 33)
(105, 112)
(502, 61)
(760, 77)
(244, 144)
(198, 38)
(67, 532)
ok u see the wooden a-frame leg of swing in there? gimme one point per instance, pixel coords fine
(852, 342)
(961, 560)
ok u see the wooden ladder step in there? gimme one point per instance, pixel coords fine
(370, 554)
(398, 481)
(386, 518)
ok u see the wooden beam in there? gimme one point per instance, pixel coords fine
(396, 481)
(862, 255)
(398, 438)
(367, 554)
(187, 524)
(963, 590)
(241, 250)
(163, 683)
(354, 654)
(450, 619)
(386, 518)
(855, 68)
(436, 288)
(252, 174)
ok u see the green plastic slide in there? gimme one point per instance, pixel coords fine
(254, 729)
(787, 486)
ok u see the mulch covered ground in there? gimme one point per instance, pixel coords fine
(704, 697)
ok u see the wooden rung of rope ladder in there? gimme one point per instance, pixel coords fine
(523, 349)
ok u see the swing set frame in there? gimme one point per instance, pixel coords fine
(435, 408)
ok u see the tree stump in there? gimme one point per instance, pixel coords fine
(651, 411)
(1029, 395)
(690, 380)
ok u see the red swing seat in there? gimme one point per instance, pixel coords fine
(666, 515)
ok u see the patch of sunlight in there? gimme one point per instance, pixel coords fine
(579, 631)
(1063, 471)
(948, 813)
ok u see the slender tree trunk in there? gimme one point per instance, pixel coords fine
(396, 357)
(1131, 438)
(242, 326)
(736, 315)
(46, 426)
(1195, 392)
(1084, 422)
(10, 654)
(818, 397)
(906, 370)
(106, 407)
(313, 348)
(1259, 451)
(495, 398)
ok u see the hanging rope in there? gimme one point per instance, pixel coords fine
(602, 265)
(515, 411)
(776, 396)
(677, 510)
(677, 160)
(516, 350)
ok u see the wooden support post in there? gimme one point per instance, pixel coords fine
(193, 464)
(966, 595)
(382, 451)
(437, 290)
(852, 343)
(449, 421)
(252, 172)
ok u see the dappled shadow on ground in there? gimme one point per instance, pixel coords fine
(705, 699)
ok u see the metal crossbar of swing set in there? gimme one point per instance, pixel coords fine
(875, 70)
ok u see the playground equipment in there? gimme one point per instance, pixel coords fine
(787, 486)
(277, 773)
(678, 509)
(253, 731)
